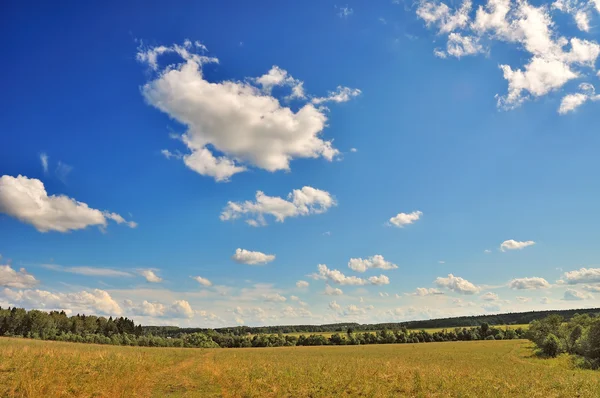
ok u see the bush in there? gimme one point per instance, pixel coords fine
(490, 337)
(551, 345)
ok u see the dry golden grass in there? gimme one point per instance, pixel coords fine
(463, 369)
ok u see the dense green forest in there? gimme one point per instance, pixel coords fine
(514, 318)
(54, 325)
(579, 336)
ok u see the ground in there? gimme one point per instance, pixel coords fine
(30, 368)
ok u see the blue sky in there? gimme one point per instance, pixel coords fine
(450, 147)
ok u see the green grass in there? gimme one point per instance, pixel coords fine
(505, 368)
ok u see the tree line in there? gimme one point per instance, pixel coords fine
(55, 325)
(515, 318)
(579, 336)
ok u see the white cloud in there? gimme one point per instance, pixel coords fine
(146, 308)
(515, 245)
(150, 276)
(423, 291)
(457, 284)
(44, 161)
(571, 294)
(544, 300)
(202, 281)
(338, 277)
(345, 12)
(523, 299)
(88, 271)
(62, 171)
(591, 288)
(528, 283)
(302, 284)
(487, 251)
(241, 121)
(26, 199)
(181, 309)
(95, 301)
(341, 94)
(553, 60)
(334, 306)
(244, 256)
(489, 296)
(274, 297)
(292, 312)
(332, 291)
(570, 102)
(379, 280)
(376, 261)
(354, 150)
(17, 279)
(583, 275)
(301, 202)
(402, 219)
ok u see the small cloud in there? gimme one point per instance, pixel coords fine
(62, 171)
(44, 160)
(202, 281)
(487, 251)
(244, 256)
(544, 300)
(529, 283)
(302, 284)
(332, 291)
(327, 233)
(150, 276)
(382, 20)
(354, 150)
(441, 262)
(402, 219)
(515, 245)
(345, 12)
(574, 295)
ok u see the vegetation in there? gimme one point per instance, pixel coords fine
(507, 368)
(514, 318)
(579, 336)
(122, 331)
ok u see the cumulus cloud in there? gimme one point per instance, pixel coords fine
(202, 281)
(457, 284)
(232, 125)
(423, 291)
(150, 276)
(334, 306)
(553, 60)
(376, 261)
(17, 279)
(339, 278)
(274, 297)
(515, 245)
(341, 94)
(570, 102)
(402, 219)
(302, 284)
(574, 295)
(300, 202)
(244, 256)
(489, 296)
(332, 291)
(528, 283)
(591, 288)
(26, 199)
(88, 271)
(181, 309)
(523, 299)
(582, 275)
(94, 301)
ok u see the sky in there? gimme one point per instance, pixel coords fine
(232, 163)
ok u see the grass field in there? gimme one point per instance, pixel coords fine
(428, 330)
(30, 368)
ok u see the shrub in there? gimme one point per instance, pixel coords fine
(551, 345)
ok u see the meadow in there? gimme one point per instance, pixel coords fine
(505, 368)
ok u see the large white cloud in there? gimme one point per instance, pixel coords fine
(92, 302)
(26, 199)
(529, 283)
(582, 275)
(244, 256)
(376, 261)
(402, 219)
(553, 60)
(300, 202)
(241, 120)
(457, 284)
(515, 245)
(16, 279)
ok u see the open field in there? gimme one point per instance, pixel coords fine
(31, 368)
(428, 330)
